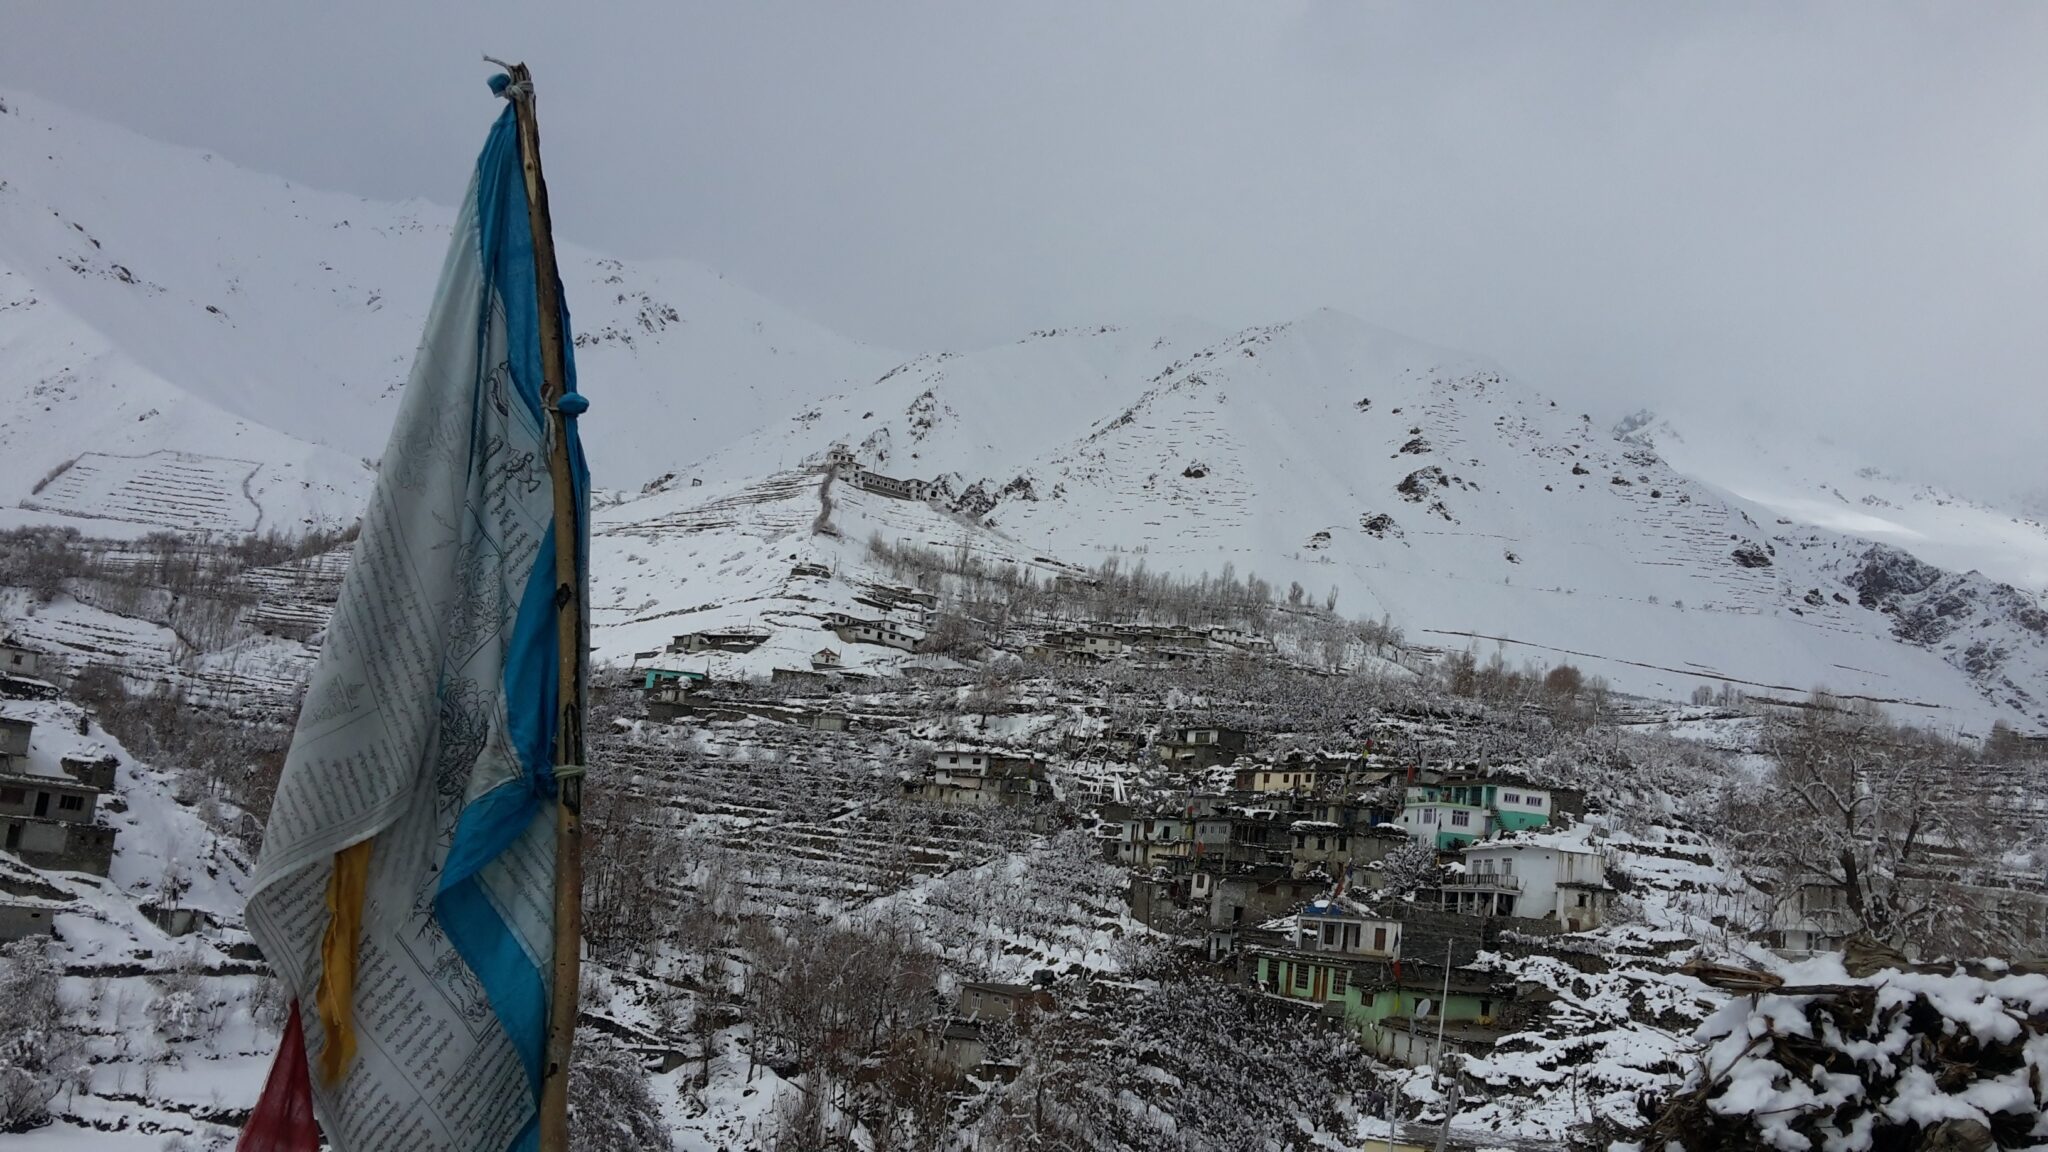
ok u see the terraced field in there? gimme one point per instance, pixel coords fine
(813, 820)
(176, 490)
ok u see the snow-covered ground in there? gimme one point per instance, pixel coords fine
(238, 371)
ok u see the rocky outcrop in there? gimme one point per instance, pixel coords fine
(1993, 632)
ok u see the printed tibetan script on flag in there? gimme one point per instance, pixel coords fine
(427, 732)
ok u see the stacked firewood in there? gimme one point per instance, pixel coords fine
(1907, 1060)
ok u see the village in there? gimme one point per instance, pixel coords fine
(1373, 882)
(1057, 816)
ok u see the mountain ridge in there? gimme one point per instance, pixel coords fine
(235, 372)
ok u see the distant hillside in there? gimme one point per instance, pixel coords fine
(1416, 482)
(189, 344)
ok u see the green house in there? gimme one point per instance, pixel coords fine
(656, 677)
(1458, 810)
(1362, 992)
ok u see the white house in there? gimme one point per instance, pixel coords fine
(17, 661)
(824, 658)
(1340, 927)
(1811, 917)
(1554, 876)
(855, 630)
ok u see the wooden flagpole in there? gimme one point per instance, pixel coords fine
(567, 982)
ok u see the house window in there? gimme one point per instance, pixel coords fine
(1535, 801)
(1511, 797)
(1507, 866)
(1429, 815)
(1321, 843)
(13, 796)
(952, 759)
(1340, 980)
(1300, 977)
(1379, 939)
(1582, 899)
(1351, 936)
(75, 803)
(1461, 819)
(1330, 935)
(14, 658)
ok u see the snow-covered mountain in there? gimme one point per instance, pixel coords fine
(234, 367)
(1414, 481)
(1813, 480)
(189, 344)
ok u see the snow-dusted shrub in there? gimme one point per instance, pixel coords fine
(611, 1107)
(39, 1050)
(1186, 1063)
(181, 1010)
(1408, 867)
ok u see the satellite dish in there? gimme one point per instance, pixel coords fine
(1422, 1007)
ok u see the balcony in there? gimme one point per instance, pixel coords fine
(1489, 881)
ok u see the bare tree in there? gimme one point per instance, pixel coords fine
(1856, 804)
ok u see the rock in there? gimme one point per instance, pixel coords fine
(1956, 1136)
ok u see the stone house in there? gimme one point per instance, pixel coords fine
(47, 818)
(14, 743)
(1148, 841)
(20, 920)
(718, 640)
(956, 1045)
(1251, 896)
(1335, 850)
(1201, 748)
(980, 777)
(1010, 1003)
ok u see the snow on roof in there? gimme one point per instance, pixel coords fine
(1578, 838)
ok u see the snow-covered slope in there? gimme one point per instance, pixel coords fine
(1813, 480)
(234, 366)
(193, 344)
(1415, 481)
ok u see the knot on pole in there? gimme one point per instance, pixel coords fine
(572, 404)
(513, 83)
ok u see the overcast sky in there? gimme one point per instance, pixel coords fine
(1839, 212)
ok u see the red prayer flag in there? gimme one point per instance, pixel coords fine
(283, 1118)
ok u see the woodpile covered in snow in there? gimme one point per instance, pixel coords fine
(1954, 1060)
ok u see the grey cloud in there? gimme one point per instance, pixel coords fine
(1831, 213)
